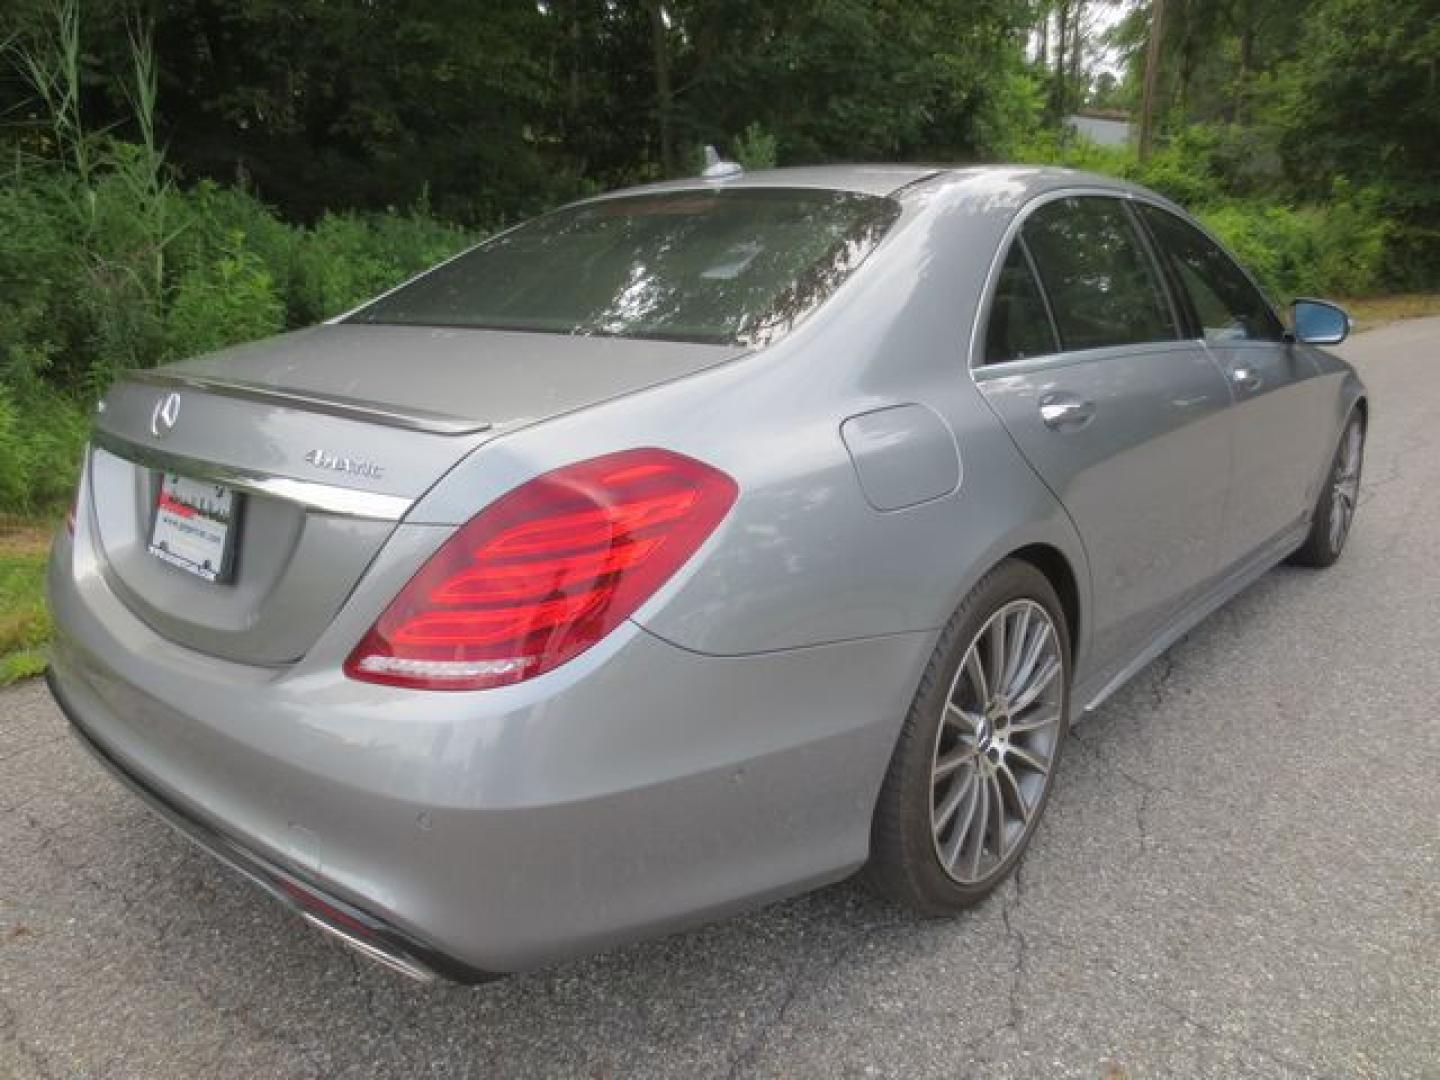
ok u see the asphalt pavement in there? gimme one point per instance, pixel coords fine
(1239, 875)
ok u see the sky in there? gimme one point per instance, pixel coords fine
(1100, 16)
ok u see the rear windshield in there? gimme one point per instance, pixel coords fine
(725, 267)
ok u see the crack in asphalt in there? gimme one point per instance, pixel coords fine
(1146, 792)
(1009, 910)
(1165, 667)
(1160, 687)
(798, 981)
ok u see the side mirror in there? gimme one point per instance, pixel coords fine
(1318, 322)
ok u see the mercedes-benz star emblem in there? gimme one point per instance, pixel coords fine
(167, 411)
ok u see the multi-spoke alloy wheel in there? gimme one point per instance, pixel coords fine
(996, 742)
(976, 757)
(1345, 484)
(1335, 508)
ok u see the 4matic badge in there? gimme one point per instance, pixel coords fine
(324, 459)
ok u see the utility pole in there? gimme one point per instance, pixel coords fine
(1152, 74)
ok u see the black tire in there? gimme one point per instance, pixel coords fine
(905, 847)
(1324, 543)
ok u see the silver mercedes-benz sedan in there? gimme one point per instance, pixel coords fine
(686, 548)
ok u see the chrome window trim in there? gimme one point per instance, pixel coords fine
(1056, 361)
(1039, 288)
(332, 405)
(975, 354)
(319, 498)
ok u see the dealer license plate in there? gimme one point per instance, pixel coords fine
(194, 523)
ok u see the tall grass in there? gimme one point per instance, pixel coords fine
(24, 622)
(107, 263)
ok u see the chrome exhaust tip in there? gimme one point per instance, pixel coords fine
(395, 962)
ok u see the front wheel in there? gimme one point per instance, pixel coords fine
(1335, 508)
(976, 757)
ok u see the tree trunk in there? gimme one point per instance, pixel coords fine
(1077, 51)
(1062, 35)
(1241, 106)
(576, 45)
(1152, 73)
(664, 102)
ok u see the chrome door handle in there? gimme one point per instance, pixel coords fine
(1245, 378)
(1063, 412)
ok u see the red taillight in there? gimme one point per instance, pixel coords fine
(545, 572)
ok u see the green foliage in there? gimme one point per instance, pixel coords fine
(24, 622)
(1293, 95)
(349, 257)
(1360, 101)
(1074, 152)
(756, 148)
(42, 432)
(176, 187)
(79, 302)
(1183, 168)
(1337, 247)
(1335, 250)
(232, 299)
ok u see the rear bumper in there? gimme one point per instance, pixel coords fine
(641, 788)
(359, 929)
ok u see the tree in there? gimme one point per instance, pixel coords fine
(1359, 103)
(1153, 51)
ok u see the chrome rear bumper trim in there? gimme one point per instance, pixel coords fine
(321, 498)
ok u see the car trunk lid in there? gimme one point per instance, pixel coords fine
(326, 437)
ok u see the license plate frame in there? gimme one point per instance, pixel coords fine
(193, 526)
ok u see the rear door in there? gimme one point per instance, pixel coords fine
(1277, 417)
(1125, 421)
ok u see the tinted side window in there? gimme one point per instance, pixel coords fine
(1101, 282)
(1019, 325)
(1229, 307)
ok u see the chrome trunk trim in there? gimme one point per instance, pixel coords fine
(319, 498)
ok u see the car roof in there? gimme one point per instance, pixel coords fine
(863, 179)
(1002, 185)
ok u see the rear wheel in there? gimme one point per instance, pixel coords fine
(973, 768)
(1335, 508)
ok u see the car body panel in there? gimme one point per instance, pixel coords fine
(1275, 435)
(497, 812)
(502, 378)
(726, 744)
(904, 455)
(1145, 480)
